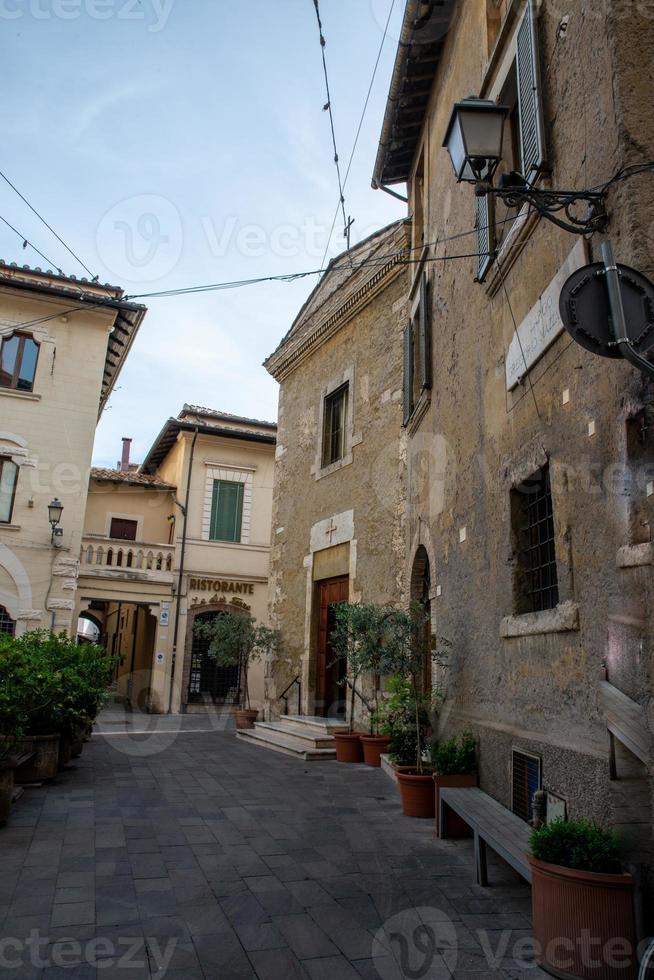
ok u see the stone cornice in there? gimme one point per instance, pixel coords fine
(283, 362)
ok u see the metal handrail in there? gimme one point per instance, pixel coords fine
(283, 697)
(367, 703)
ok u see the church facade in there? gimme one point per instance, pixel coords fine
(339, 495)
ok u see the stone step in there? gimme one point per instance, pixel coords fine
(311, 724)
(279, 742)
(298, 736)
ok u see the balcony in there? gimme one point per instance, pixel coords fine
(126, 560)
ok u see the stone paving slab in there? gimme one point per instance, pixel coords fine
(183, 853)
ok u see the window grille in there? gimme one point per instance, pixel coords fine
(526, 780)
(538, 587)
(7, 625)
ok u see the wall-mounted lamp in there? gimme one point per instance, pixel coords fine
(55, 510)
(474, 139)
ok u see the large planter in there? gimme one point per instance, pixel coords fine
(373, 748)
(348, 747)
(417, 792)
(583, 923)
(455, 826)
(6, 791)
(46, 760)
(245, 717)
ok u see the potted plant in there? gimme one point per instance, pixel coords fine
(11, 733)
(455, 764)
(582, 902)
(409, 740)
(366, 636)
(235, 641)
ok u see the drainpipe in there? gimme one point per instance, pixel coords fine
(184, 511)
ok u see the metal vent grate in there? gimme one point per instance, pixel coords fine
(526, 779)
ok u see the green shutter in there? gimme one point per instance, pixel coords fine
(408, 373)
(530, 102)
(425, 334)
(226, 511)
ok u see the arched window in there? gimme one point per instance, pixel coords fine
(18, 356)
(8, 478)
(7, 625)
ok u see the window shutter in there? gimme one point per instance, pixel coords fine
(485, 236)
(425, 334)
(408, 372)
(226, 511)
(530, 96)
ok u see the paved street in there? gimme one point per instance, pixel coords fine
(188, 854)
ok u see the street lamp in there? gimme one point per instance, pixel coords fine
(474, 139)
(55, 509)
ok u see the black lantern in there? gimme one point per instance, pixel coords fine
(474, 139)
(55, 510)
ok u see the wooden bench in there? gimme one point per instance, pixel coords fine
(493, 826)
(626, 721)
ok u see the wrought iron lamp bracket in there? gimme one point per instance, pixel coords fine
(515, 192)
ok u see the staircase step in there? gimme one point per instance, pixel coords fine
(278, 742)
(303, 738)
(309, 723)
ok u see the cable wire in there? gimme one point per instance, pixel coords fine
(360, 126)
(26, 242)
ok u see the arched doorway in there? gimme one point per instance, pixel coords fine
(89, 629)
(421, 594)
(7, 624)
(208, 681)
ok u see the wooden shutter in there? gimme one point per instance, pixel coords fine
(425, 334)
(408, 372)
(530, 96)
(123, 530)
(226, 511)
(485, 236)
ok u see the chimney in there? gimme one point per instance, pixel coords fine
(124, 462)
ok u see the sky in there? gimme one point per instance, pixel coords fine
(172, 143)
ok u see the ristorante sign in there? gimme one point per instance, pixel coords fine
(225, 586)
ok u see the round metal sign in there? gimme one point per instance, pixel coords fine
(586, 315)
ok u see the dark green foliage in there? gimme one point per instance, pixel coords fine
(397, 720)
(456, 755)
(50, 684)
(577, 844)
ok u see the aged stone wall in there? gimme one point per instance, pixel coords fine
(369, 542)
(541, 692)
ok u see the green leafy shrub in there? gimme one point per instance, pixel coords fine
(456, 755)
(396, 718)
(578, 844)
(235, 641)
(52, 685)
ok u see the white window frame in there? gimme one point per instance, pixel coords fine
(347, 377)
(230, 473)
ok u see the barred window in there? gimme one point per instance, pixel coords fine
(532, 515)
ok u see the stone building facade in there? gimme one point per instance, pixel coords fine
(541, 649)
(338, 510)
(183, 537)
(63, 342)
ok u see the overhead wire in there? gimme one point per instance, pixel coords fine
(26, 242)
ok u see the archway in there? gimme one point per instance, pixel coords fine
(421, 595)
(204, 681)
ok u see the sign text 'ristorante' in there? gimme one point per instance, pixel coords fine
(221, 585)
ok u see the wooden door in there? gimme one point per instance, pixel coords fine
(330, 694)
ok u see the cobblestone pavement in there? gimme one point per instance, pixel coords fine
(189, 854)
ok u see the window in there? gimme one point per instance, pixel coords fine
(524, 137)
(7, 625)
(418, 203)
(537, 585)
(226, 511)
(8, 479)
(526, 780)
(417, 352)
(335, 425)
(123, 529)
(18, 356)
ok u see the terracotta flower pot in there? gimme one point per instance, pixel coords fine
(373, 747)
(6, 791)
(245, 717)
(44, 765)
(583, 922)
(348, 747)
(455, 826)
(417, 792)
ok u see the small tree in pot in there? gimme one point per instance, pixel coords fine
(235, 641)
(583, 907)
